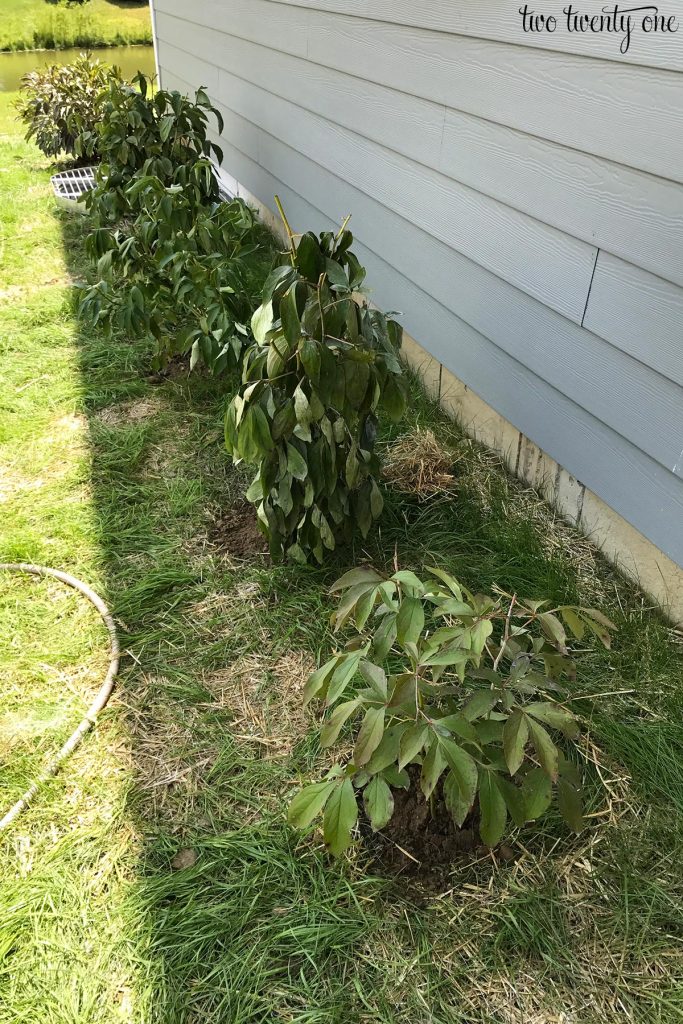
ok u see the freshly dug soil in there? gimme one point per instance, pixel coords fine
(178, 367)
(421, 842)
(236, 532)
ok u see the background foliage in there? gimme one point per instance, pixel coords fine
(63, 102)
(35, 24)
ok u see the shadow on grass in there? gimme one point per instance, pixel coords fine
(257, 925)
(251, 930)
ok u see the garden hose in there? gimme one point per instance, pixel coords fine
(100, 700)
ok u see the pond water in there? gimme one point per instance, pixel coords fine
(129, 58)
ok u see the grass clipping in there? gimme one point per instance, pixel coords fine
(418, 463)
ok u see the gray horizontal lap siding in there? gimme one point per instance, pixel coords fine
(629, 114)
(497, 244)
(632, 214)
(500, 20)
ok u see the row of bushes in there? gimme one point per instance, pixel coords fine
(176, 263)
(452, 689)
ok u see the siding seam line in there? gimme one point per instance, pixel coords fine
(590, 285)
(519, 452)
(579, 504)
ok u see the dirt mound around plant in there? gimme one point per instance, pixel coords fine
(422, 839)
(177, 368)
(236, 532)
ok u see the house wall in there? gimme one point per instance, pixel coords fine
(519, 198)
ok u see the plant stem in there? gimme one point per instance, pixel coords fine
(290, 233)
(506, 634)
(346, 220)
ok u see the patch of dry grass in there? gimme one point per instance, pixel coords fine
(171, 754)
(265, 698)
(136, 410)
(419, 463)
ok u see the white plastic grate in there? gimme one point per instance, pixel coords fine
(74, 183)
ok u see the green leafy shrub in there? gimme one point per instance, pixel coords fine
(322, 365)
(187, 274)
(463, 686)
(146, 134)
(61, 105)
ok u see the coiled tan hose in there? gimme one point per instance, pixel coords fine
(100, 700)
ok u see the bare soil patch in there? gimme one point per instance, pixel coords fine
(178, 368)
(421, 839)
(185, 858)
(16, 292)
(236, 532)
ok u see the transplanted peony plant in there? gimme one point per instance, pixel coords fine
(452, 688)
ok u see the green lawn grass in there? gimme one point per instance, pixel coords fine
(39, 24)
(119, 477)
